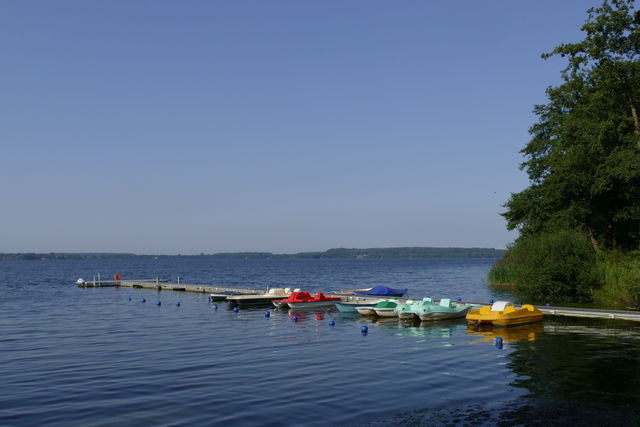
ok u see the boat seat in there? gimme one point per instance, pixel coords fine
(445, 302)
(501, 305)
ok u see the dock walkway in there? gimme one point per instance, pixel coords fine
(163, 285)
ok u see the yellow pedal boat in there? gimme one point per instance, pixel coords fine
(504, 313)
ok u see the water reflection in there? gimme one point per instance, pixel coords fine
(316, 314)
(487, 333)
(408, 328)
(579, 360)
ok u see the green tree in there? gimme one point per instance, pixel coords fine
(583, 159)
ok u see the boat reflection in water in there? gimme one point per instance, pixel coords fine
(416, 328)
(486, 333)
(315, 314)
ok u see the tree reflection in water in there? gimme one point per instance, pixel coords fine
(580, 360)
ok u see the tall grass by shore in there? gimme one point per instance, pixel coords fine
(618, 278)
(620, 282)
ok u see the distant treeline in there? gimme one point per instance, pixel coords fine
(409, 252)
(57, 256)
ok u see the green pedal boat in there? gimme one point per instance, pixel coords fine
(427, 310)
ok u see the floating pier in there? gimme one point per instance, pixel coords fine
(164, 285)
(591, 313)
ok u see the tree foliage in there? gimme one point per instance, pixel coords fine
(583, 159)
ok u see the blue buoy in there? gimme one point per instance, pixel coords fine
(548, 305)
(267, 314)
(209, 299)
(158, 303)
(178, 304)
(364, 329)
(459, 299)
(294, 318)
(214, 306)
(491, 301)
(129, 298)
(235, 309)
(143, 300)
(499, 339)
(332, 323)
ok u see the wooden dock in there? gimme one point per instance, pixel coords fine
(163, 285)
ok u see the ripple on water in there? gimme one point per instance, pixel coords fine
(92, 357)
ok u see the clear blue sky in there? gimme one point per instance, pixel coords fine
(207, 126)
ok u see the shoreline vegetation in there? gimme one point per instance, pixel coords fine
(615, 280)
(337, 253)
(579, 219)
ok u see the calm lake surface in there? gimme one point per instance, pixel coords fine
(72, 356)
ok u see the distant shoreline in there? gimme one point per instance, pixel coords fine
(336, 253)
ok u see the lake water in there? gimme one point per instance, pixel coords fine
(99, 356)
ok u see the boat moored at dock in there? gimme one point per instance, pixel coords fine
(386, 308)
(504, 313)
(350, 304)
(259, 299)
(304, 300)
(383, 291)
(445, 309)
(407, 310)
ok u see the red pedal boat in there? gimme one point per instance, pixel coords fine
(304, 300)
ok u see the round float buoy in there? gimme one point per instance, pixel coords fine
(459, 299)
(548, 305)
(178, 304)
(117, 276)
(158, 303)
(143, 300)
(364, 329)
(129, 298)
(491, 301)
(294, 318)
(235, 309)
(332, 323)
(267, 314)
(214, 306)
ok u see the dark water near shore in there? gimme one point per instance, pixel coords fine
(72, 356)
